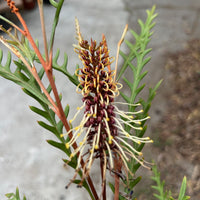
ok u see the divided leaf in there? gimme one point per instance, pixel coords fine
(136, 60)
(22, 77)
(159, 187)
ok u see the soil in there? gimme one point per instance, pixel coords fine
(177, 135)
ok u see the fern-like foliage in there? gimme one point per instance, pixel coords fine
(159, 187)
(22, 77)
(63, 68)
(162, 194)
(14, 196)
(136, 60)
(25, 79)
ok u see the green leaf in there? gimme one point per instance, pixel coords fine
(134, 167)
(63, 68)
(139, 89)
(128, 82)
(48, 127)
(24, 198)
(183, 190)
(126, 98)
(16, 196)
(73, 163)
(54, 3)
(60, 126)
(158, 197)
(112, 187)
(127, 62)
(40, 112)
(134, 182)
(9, 195)
(21, 66)
(146, 60)
(17, 193)
(60, 146)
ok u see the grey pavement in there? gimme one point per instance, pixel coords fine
(26, 160)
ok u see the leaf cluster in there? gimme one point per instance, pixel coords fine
(159, 187)
(136, 60)
(22, 76)
(14, 196)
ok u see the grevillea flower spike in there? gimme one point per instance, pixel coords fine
(100, 133)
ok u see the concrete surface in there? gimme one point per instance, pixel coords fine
(26, 160)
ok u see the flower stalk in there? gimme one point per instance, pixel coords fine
(102, 124)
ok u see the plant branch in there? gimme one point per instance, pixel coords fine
(40, 5)
(56, 18)
(12, 24)
(27, 34)
(34, 73)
